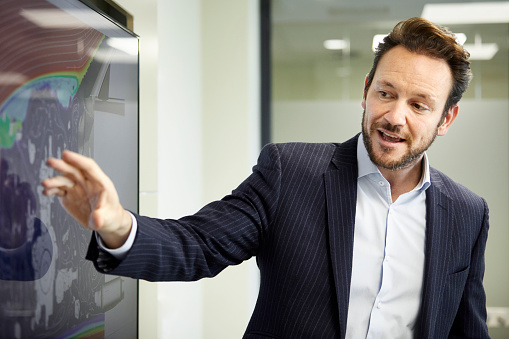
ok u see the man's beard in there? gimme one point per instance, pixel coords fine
(413, 154)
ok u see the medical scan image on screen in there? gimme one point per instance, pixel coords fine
(68, 81)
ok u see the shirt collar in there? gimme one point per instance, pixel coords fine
(366, 166)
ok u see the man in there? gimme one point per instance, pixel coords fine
(359, 239)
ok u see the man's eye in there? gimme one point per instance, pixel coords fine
(420, 107)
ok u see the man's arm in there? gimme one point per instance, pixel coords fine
(223, 233)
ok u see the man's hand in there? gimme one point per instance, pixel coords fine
(89, 196)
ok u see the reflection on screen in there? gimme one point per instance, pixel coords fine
(68, 80)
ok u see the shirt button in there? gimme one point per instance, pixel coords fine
(379, 305)
(381, 183)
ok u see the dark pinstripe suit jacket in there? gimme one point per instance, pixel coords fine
(296, 214)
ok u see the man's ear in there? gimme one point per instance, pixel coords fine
(363, 103)
(452, 113)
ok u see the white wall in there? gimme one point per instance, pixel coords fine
(230, 143)
(179, 150)
(199, 105)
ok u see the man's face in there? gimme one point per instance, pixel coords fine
(403, 108)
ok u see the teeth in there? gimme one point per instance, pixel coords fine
(391, 136)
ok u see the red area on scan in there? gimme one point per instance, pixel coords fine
(36, 39)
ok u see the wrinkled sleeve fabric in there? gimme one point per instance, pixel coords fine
(223, 233)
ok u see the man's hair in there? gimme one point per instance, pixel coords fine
(421, 36)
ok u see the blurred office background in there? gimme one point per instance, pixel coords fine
(201, 126)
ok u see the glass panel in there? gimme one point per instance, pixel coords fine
(68, 80)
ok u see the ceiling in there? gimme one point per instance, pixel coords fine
(299, 28)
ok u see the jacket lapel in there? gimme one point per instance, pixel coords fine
(341, 197)
(439, 226)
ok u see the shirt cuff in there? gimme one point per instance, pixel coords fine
(121, 252)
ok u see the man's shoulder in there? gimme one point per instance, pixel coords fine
(302, 154)
(453, 189)
(310, 151)
(304, 148)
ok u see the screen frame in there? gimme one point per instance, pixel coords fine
(128, 18)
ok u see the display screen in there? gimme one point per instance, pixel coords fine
(68, 80)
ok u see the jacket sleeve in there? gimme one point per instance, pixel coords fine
(470, 321)
(223, 233)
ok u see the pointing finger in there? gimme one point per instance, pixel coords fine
(58, 182)
(53, 191)
(66, 169)
(86, 165)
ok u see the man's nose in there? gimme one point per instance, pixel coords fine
(397, 114)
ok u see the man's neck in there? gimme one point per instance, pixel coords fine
(403, 180)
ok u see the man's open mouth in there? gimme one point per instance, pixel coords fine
(390, 137)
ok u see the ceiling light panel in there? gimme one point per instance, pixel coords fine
(467, 13)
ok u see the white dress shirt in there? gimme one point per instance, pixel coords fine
(388, 255)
